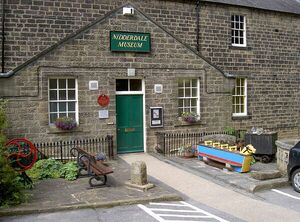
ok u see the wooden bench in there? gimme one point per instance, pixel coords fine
(96, 169)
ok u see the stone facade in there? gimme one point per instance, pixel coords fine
(270, 62)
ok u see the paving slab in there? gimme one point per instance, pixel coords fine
(266, 172)
(59, 194)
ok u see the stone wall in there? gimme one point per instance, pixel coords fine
(270, 61)
(88, 57)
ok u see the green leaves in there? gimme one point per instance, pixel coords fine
(50, 168)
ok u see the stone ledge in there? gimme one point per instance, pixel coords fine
(140, 187)
(266, 175)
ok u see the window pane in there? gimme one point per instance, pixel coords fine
(180, 103)
(62, 107)
(72, 115)
(180, 83)
(180, 111)
(53, 117)
(237, 25)
(135, 85)
(187, 93)
(121, 85)
(241, 18)
(194, 82)
(53, 107)
(194, 92)
(237, 18)
(194, 110)
(71, 95)
(62, 83)
(194, 102)
(71, 83)
(187, 83)
(242, 25)
(53, 95)
(62, 115)
(71, 106)
(241, 41)
(62, 94)
(53, 84)
(180, 92)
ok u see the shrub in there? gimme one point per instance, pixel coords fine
(69, 171)
(11, 189)
(50, 168)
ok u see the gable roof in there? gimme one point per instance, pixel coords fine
(91, 25)
(289, 6)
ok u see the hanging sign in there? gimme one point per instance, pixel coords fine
(130, 42)
(156, 117)
(103, 100)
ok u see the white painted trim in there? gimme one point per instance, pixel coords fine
(131, 92)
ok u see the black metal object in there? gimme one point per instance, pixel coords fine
(264, 145)
(198, 25)
(3, 36)
(61, 150)
(169, 143)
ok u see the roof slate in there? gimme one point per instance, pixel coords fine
(290, 6)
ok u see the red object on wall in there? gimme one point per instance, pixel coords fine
(103, 100)
(22, 154)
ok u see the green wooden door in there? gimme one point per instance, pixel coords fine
(129, 123)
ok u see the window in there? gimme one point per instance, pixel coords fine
(62, 99)
(128, 85)
(188, 96)
(239, 98)
(238, 30)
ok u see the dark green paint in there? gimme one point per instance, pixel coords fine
(130, 42)
(129, 123)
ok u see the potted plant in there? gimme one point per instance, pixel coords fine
(65, 123)
(186, 151)
(190, 117)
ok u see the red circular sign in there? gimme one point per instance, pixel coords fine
(103, 100)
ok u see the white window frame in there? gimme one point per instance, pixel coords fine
(129, 92)
(235, 29)
(187, 108)
(242, 98)
(58, 100)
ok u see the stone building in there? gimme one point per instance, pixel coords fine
(129, 69)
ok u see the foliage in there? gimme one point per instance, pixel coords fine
(185, 149)
(50, 168)
(11, 188)
(230, 131)
(65, 123)
(69, 171)
(44, 169)
(190, 117)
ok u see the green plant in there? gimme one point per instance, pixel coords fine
(69, 171)
(44, 169)
(230, 131)
(11, 189)
(185, 149)
(50, 168)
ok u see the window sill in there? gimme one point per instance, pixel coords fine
(241, 117)
(184, 124)
(240, 47)
(54, 130)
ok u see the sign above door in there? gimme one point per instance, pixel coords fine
(130, 42)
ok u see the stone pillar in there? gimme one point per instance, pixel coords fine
(283, 149)
(138, 173)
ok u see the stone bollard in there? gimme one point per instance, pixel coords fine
(139, 173)
(138, 176)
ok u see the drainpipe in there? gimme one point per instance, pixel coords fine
(3, 33)
(198, 25)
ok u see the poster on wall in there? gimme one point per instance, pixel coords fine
(156, 117)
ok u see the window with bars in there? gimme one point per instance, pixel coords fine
(63, 99)
(188, 96)
(239, 98)
(238, 30)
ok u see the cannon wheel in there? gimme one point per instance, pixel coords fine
(266, 159)
(95, 181)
